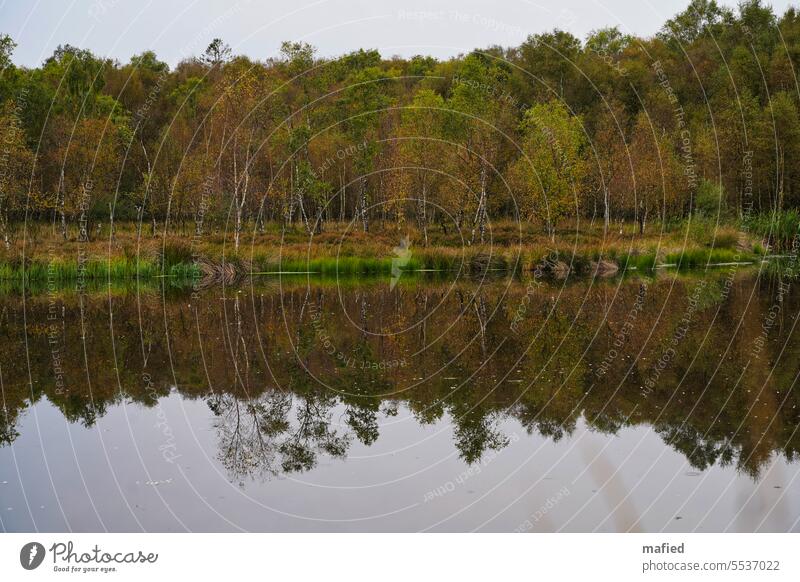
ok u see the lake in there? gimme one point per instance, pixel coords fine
(658, 403)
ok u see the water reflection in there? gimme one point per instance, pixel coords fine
(293, 371)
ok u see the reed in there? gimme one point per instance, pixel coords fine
(777, 229)
(641, 262)
(331, 266)
(115, 268)
(692, 258)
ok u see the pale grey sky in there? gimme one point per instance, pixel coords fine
(175, 29)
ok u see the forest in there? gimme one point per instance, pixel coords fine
(699, 120)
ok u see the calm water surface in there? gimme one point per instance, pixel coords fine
(637, 404)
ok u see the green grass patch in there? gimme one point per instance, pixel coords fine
(777, 229)
(698, 258)
(116, 268)
(637, 261)
(333, 266)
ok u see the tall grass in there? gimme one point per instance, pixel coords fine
(640, 262)
(174, 259)
(692, 258)
(175, 252)
(60, 270)
(333, 265)
(777, 229)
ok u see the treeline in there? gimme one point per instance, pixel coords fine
(703, 118)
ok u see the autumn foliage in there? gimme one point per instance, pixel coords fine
(701, 118)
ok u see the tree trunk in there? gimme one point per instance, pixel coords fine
(139, 215)
(342, 196)
(111, 221)
(485, 210)
(642, 218)
(423, 214)
(781, 170)
(363, 203)
(480, 216)
(238, 230)
(290, 209)
(4, 226)
(62, 205)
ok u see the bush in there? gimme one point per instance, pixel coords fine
(710, 199)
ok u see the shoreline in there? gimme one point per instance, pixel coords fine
(341, 251)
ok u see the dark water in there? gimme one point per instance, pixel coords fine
(642, 404)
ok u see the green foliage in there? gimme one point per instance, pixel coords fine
(608, 42)
(710, 200)
(697, 258)
(639, 262)
(176, 252)
(553, 167)
(553, 131)
(61, 271)
(700, 18)
(7, 46)
(332, 266)
(779, 230)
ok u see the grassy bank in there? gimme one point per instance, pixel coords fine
(344, 251)
(63, 269)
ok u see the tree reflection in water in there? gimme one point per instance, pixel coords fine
(297, 370)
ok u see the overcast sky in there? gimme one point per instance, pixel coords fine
(175, 29)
